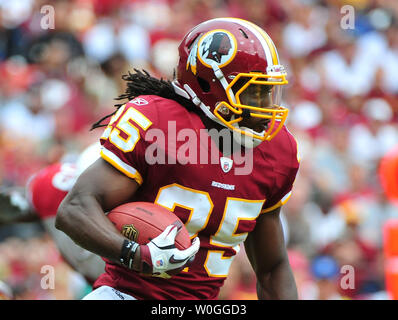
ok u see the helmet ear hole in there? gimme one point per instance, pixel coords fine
(204, 85)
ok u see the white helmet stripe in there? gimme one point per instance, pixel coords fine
(258, 35)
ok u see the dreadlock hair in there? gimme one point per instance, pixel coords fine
(142, 83)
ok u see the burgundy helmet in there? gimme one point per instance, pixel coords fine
(221, 58)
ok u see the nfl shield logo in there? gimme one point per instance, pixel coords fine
(159, 263)
(226, 164)
(129, 231)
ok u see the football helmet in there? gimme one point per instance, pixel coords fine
(230, 68)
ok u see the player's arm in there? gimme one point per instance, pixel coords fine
(81, 215)
(265, 248)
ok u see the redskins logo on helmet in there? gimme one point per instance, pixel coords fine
(217, 46)
(223, 62)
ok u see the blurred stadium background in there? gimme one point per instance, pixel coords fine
(342, 93)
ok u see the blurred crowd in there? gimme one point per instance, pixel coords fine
(32, 269)
(342, 95)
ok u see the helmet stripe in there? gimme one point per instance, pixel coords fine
(270, 43)
(265, 40)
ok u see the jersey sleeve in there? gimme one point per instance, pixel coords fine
(123, 141)
(284, 180)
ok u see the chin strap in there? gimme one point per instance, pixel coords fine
(188, 93)
(246, 140)
(220, 76)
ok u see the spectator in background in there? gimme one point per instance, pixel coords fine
(372, 138)
(27, 117)
(305, 31)
(347, 69)
(299, 227)
(386, 51)
(325, 270)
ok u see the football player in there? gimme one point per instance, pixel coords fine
(229, 78)
(39, 203)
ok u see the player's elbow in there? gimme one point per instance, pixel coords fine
(64, 218)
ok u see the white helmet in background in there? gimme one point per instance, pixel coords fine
(88, 157)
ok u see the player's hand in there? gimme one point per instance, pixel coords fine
(161, 258)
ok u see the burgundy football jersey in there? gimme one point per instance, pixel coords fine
(168, 151)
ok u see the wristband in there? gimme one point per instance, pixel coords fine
(128, 252)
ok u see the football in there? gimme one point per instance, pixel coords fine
(143, 221)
